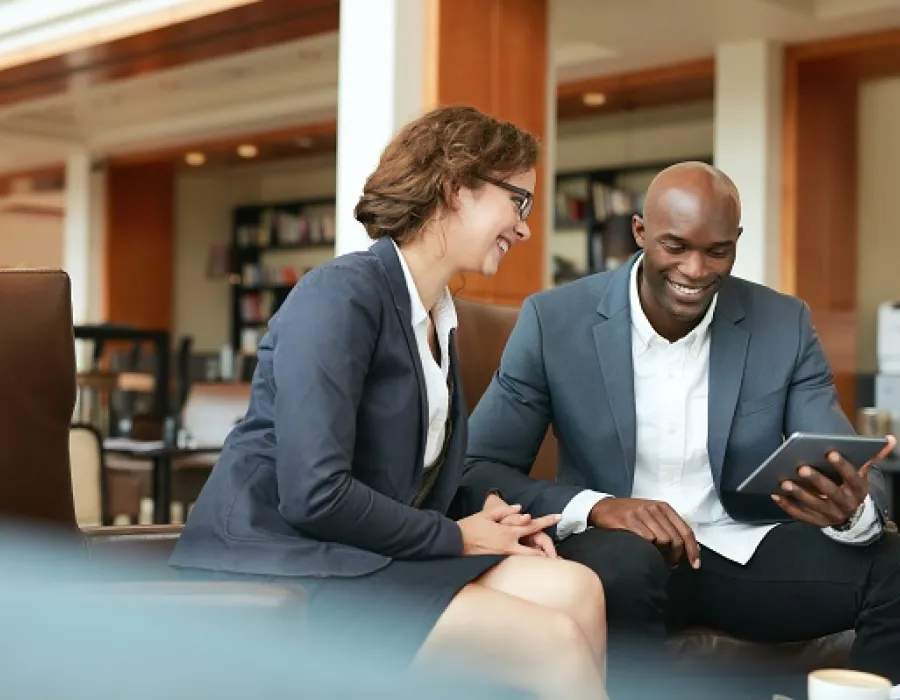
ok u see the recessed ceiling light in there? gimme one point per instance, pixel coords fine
(247, 150)
(194, 158)
(594, 99)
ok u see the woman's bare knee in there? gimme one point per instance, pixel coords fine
(557, 584)
(512, 639)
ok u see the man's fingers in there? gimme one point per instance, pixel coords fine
(842, 496)
(797, 513)
(825, 507)
(848, 472)
(634, 524)
(886, 452)
(660, 536)
(691, 546)
(525, 551)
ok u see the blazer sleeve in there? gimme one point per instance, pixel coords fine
(509, 423)
(812, 401)
(323, 345)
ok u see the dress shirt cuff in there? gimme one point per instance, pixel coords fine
(867, 529)
(575, 514)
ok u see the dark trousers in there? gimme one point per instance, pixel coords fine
(799, 585)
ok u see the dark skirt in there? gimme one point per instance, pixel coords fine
(395, 608)
(392, 610)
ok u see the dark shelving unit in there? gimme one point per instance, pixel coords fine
(259, 285)
(598, 204)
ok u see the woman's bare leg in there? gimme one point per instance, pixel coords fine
(566, 586)
(516, 642)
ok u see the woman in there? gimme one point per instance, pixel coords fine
(349, 460)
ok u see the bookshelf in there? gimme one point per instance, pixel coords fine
(273, 245)
(592, 217)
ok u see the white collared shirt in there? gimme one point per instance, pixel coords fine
(671, 396)
(436, 389)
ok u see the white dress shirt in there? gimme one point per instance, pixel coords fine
(435, 374)
(671, 396)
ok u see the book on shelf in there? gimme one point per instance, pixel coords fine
(611, 201)
(255, 275)
(570, 208)
(283, 228)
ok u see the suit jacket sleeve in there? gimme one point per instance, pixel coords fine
(509, 424)
(323, 345)
(812, 401)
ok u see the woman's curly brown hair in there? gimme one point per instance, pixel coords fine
(431, 158)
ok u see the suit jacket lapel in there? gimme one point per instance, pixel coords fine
(454, 454)
(727, 356)
(612, 337)
(387, 255)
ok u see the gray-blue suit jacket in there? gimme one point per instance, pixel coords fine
(318, 478)
(568, 363)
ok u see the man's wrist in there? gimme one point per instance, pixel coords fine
(593, 516)
(852, 521)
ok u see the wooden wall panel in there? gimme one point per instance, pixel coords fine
(139, 245)
(820, 215)
(492, 54)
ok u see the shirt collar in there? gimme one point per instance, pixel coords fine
(646, 335)
(444, 310)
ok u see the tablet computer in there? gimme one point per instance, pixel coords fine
(811, 449)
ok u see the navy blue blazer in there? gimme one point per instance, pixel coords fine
(317, 480)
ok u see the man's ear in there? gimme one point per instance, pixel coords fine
(637, 230)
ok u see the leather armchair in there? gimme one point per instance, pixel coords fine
(37, 399)
(482, 335)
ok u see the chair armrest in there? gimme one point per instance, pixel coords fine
(205, 594)
(148, 547)
(154, 542)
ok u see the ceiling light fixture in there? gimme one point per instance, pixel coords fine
(195, 158)
(594, 99)
(247, 150)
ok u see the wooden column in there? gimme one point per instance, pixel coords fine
(820, 242)
(139, 245)
(492, 54)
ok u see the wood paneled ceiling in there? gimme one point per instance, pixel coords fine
(233, 31)
(685, 82)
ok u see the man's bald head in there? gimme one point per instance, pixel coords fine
(692, 185)
(689, 233)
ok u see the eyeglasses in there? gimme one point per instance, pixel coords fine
(526, 200)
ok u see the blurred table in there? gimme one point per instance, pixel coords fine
(161, 454)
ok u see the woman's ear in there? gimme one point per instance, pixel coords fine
(451, 196)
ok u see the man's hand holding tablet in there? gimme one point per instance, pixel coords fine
(813, 478)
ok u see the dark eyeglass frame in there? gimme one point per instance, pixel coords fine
(527, 197)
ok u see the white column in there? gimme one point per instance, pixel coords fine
(748, 149)
(380, 87)
(77, 232)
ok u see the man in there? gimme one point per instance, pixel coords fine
(667, 383)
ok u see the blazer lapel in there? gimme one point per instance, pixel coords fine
(386, 254)
(453, 455)
(727, 356)
(612, 336)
